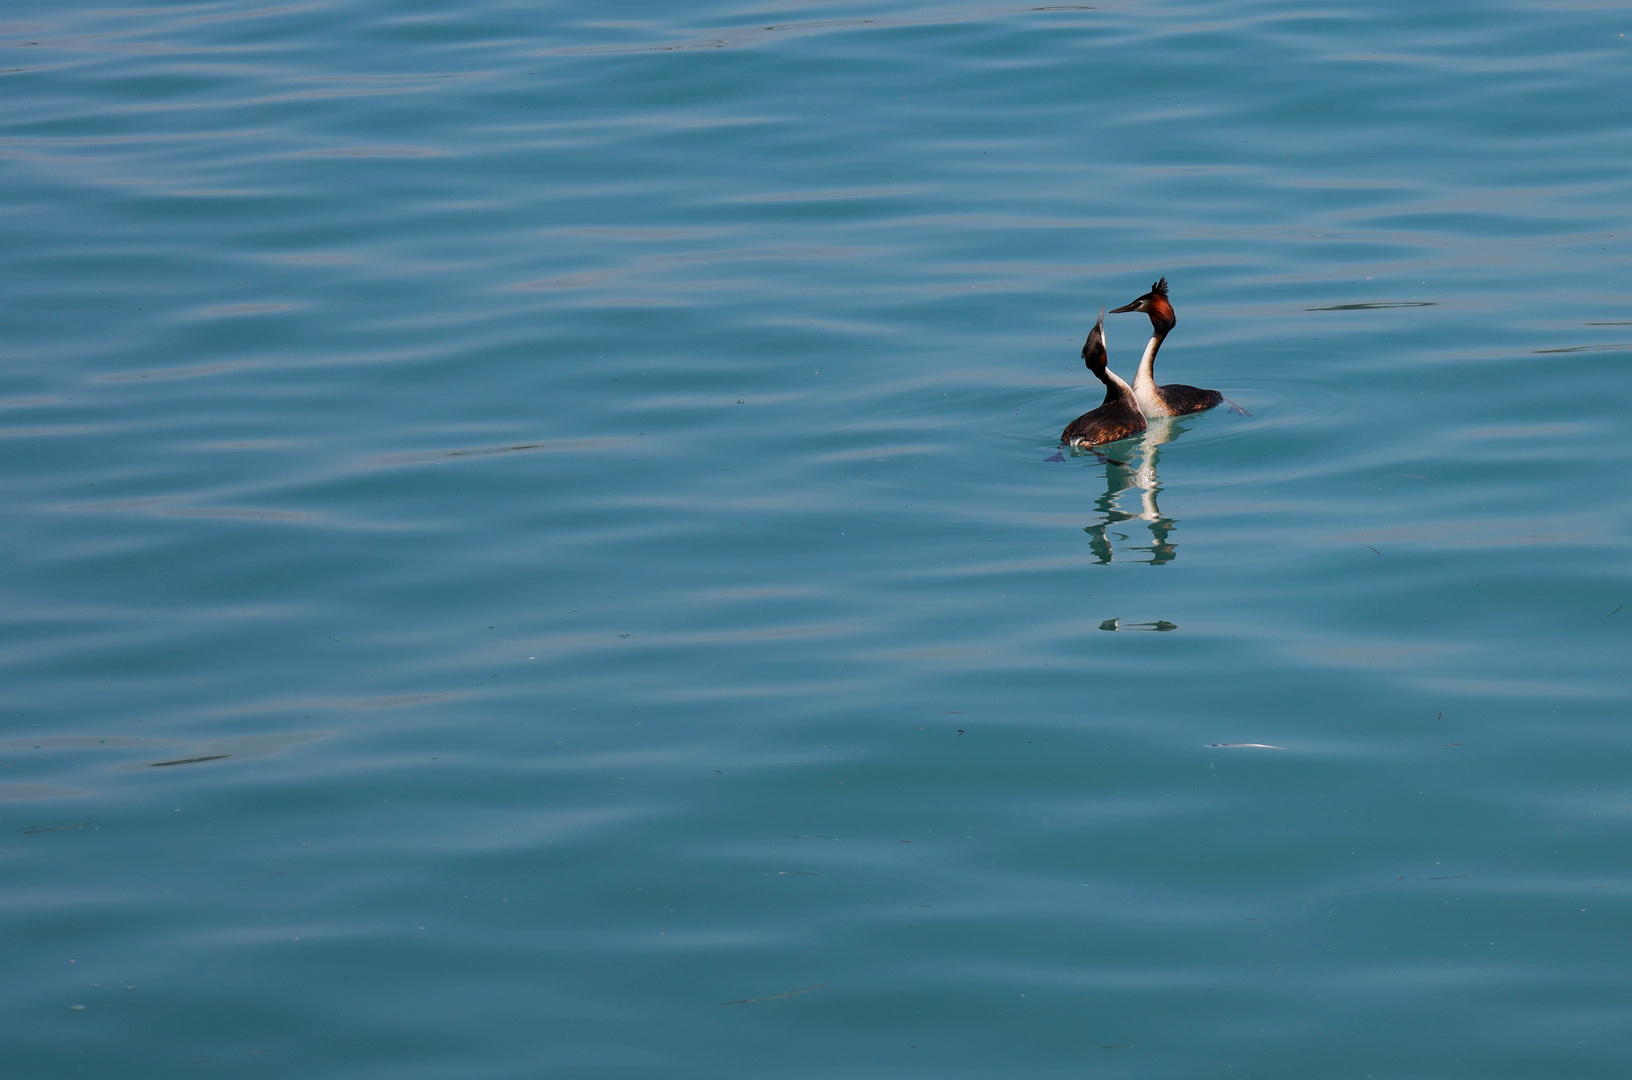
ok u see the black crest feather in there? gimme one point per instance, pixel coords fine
(1160, 288)
(1093, 350)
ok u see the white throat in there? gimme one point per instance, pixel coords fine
(1144, 383)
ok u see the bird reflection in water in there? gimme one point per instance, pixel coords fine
(1137, 475)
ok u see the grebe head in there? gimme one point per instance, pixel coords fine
(1154, 303)
(1093, 350)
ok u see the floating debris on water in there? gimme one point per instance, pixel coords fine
(1159, 626)
(59, 828)
(775, 997)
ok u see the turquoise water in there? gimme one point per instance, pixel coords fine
(530, 552)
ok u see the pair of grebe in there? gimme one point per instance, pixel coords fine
(1124, 412)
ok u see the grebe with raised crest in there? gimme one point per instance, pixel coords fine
(1174, 399)
(1118, 417)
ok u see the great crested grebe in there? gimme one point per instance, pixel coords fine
(1118, 417)
(1174, 399)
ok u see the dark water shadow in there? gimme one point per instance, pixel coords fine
(1376, 306)
(1619, 346)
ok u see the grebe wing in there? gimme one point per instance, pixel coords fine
(1184, 399)
(1106, 424)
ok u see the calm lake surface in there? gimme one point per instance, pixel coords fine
(530, 552)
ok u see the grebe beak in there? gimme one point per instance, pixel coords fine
(1128, 307)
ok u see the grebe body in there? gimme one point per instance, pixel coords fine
(1173, 399)
(1118, 417)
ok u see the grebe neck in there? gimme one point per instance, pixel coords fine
(1144, 382)
(1116, 388)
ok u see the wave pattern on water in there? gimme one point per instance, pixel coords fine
(531, 551)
